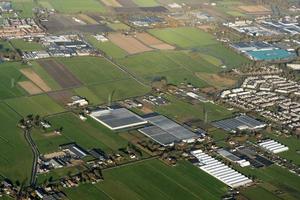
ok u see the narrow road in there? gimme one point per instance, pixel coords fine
(35, 152)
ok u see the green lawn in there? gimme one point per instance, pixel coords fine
(146, 3)
(9, 76)
(182, 111)
(152, 180)
(89, 134)
(39, 104)
(76, 6)
(184, 37)
(16, 157)
(92, 70)
(276, 178)
(293, 143)
(108, 47)
(176, 66)
(26, 46)
(24, 6)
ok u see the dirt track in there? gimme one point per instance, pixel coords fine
(60, 73)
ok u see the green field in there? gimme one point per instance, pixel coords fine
(74, 6)
(176, 66)
(259, 193)
(212, 51)
(293, 143)
(24, 6)
(16, 157)
(184, 37)
(146, 3)
(182, 111)
(119, 26)
(39, 104)
(88, 134)
(276, 178)
(9, 76)
(26, 46)
(152, 180)
(92, 70)
(108, 47)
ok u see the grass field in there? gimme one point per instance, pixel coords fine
(92, 70)
(108, 47)
(294, 147)
(184, 37)
(177, 66)
(259, 193)
(182, 111)
(146, 3)
(24, 6)
(119, 26)
(276, 178)
(39, 104)
(9, 76)
(26, 46)
(194, 39)
(153, 180)
(88, 134)
(16, 157)
(75, 6)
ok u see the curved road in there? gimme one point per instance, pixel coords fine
(36, 153)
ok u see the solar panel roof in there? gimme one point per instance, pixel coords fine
(117, 118)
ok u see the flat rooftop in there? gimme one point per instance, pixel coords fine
(166, 132)
(118, 118)
(241, 122)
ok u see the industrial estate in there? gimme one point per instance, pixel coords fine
(150, 99)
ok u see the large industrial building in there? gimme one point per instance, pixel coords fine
(273, 146)
(167, 132)
(119, 118)
(242, 122)
(220, 171)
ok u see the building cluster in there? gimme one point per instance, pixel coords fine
(20, 28)
(233, 158)
(272, 96)
(146, 21)
(157, 127)
(219, 170)
(266, 27)
(273, 146)
(264, 51)
(6, 6)
(61, 46)
(70, 154)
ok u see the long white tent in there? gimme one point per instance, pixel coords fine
(220, 171)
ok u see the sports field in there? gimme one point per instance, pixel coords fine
(88, 134)
(16, 156)
(153, 180)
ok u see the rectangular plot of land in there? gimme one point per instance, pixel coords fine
(112, 3)
(127, 3)
(30, 87)
(254, 8)
(153, 41)
(36, 79)
(62, 97)
(60, 73)
(128, 43)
